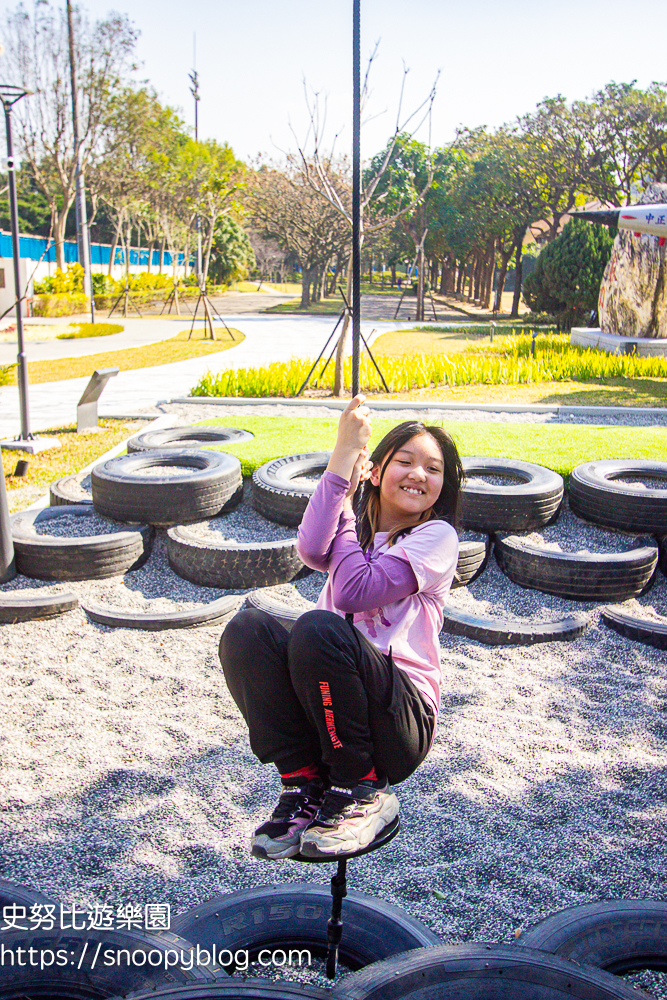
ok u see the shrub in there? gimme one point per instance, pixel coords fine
(61, 283)
(60, 305)
(568, 272)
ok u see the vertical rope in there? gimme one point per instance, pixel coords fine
(356, 194)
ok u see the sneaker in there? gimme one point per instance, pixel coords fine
(349, 819)
(279, 836)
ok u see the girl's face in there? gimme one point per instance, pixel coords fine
(411, 482)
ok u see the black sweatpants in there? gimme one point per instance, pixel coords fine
(324, 695)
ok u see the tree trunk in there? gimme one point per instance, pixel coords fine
(502, 274)
(150, 256)
(306, 276)
(517, 279)
(393, 275)
(459, 278)
(420, 284)
(114, 247)
(161, 264)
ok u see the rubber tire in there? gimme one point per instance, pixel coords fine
(480, 972)
(210, 614)
(650, 633)
(171, 437)
(234, 989)
(61, 491)
(274, 496)
(232, 565)
(120, 492)
(492, 632)
(596, 497)
(609, 576)
(518, 507)
(22, 895)
(297, 915)
(284, 613)
(474, 554)
(92, 557)
(93, 979)
(618, 935)
(27, 606)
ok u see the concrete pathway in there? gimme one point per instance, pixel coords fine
(267, 339)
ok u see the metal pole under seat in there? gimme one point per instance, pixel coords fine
(339, 889)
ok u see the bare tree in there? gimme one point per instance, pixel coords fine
(316, 167)
(37, 56)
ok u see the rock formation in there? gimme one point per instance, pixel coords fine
(633, 293)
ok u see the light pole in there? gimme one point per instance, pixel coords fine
(80, 197)
(194, 90)
(9, 95)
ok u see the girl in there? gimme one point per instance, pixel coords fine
(347, 702)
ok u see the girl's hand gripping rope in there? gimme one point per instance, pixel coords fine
(354, 431)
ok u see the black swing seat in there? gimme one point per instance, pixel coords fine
(383, 837)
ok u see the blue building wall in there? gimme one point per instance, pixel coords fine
(35, 248)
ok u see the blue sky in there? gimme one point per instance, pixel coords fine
(497, 60)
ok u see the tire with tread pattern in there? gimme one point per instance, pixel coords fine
(531, 503)
(274, 495)
(209, 482)
(86, 557)
(597, 496)
(192, 436)
(210, 614)
(297, 915)
(480, 972)
(232, 565)
(474, 552)
(68, 490)
(618, 935)
(284, 613)
(579, 576)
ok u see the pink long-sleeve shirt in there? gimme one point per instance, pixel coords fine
(396, 594)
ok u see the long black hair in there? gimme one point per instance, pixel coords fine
(367, 498)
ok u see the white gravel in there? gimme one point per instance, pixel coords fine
(127, 774)
(74, 525)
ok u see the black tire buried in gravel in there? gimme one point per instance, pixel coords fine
(284, 613)
(480, 972)
(275, 495)
(596, 495)
(192, 436)
(231, 565)
(618, 935)
(645, 630)
(68, 490)
(209, 480)
(87, 557)
(296, 915)
(29, 605)
(532, 503)
(580, 576)
(234, 989)
(210, 614)
(511, 632)
(80, 968)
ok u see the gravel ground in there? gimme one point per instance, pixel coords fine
(128, 778)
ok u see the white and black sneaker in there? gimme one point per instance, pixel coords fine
(280, 836)
(349, 819)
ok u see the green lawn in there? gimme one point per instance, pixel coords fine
(557, 446)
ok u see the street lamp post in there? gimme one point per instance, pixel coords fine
(9, 95)
(82, 234)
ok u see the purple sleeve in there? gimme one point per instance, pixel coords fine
(327, 540)
(321, 521)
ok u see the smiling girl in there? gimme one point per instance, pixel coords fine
(346, 704)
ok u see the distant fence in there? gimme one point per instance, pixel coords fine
(39, 248)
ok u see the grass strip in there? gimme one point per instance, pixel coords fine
(556, 446)
(76, 451)
(82, 331)
(166, 352)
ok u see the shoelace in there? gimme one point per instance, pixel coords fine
(292, 803)
(334, 804)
